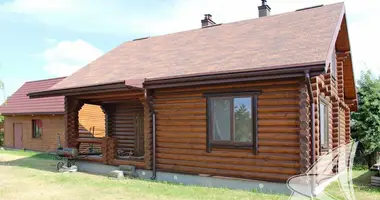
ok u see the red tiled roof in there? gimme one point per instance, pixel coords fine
(289, 39)
(20, 103)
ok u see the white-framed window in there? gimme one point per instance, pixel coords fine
(324, 124)
(333, 65)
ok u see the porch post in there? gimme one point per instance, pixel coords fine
(109, 143)
(72, 107)
(108, 111)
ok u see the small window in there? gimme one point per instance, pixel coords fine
(232, 121)
(333, 65)
(324, 124)
(36, 128)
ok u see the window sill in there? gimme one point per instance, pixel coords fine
(325, 150)
(232, 145)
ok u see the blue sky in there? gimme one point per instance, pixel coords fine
(51, 38)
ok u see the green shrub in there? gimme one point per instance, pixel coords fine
(1, 138)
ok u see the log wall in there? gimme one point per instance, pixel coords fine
(331, 88)
(91, 121)
(181, 133)
(127, 128)
(72, 107)
(91, 124)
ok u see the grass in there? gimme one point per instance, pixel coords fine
(29, 175)
(32, 176)
(27, 154)
(363, 190)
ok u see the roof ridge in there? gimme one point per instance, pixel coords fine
(62, 77)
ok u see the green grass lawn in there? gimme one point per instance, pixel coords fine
(32, 176)
(363, 190)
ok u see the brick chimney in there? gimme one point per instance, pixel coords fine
(207, 21)
(264, 9)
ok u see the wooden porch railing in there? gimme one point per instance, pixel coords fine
(108, 146)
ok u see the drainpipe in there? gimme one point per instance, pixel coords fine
(149, 100)
(312, 113)
(154, 146)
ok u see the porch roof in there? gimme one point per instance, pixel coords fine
(131, 84)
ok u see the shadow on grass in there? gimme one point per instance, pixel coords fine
(363, 182)
(42, 161)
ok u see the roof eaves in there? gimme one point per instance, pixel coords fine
(331, 47)
(236, 76)
(89, 89)
(32, 113)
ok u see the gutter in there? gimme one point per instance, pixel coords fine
(89, 89)
(32, 113)
(236, 76)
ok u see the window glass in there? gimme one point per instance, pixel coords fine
(36, 128)
(221, 119)
(243, 119)
(324, 130)
(231, 119)
(333, 65)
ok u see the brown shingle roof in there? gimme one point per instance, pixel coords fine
(20, 103)
(287, 39)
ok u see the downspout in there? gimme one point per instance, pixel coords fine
(312, 113)
(154, 170)
(149, 101)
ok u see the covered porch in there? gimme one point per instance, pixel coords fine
(127, 137)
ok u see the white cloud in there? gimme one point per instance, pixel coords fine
(67, 57)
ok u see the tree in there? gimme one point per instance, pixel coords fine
(1, 85)
(365, 124)
(1, 90)
(243, 124)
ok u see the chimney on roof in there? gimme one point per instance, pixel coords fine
(264, 9)
(207, 21)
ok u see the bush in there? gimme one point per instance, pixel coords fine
(1, 138)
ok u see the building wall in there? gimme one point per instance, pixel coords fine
(91, 124)
(48, 140)
(92, 116)
(127, 128)
(181, 133)
(91, 120)
(332, 88)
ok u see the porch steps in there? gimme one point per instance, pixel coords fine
(128, 170)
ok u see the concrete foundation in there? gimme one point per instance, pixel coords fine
(207, 181)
